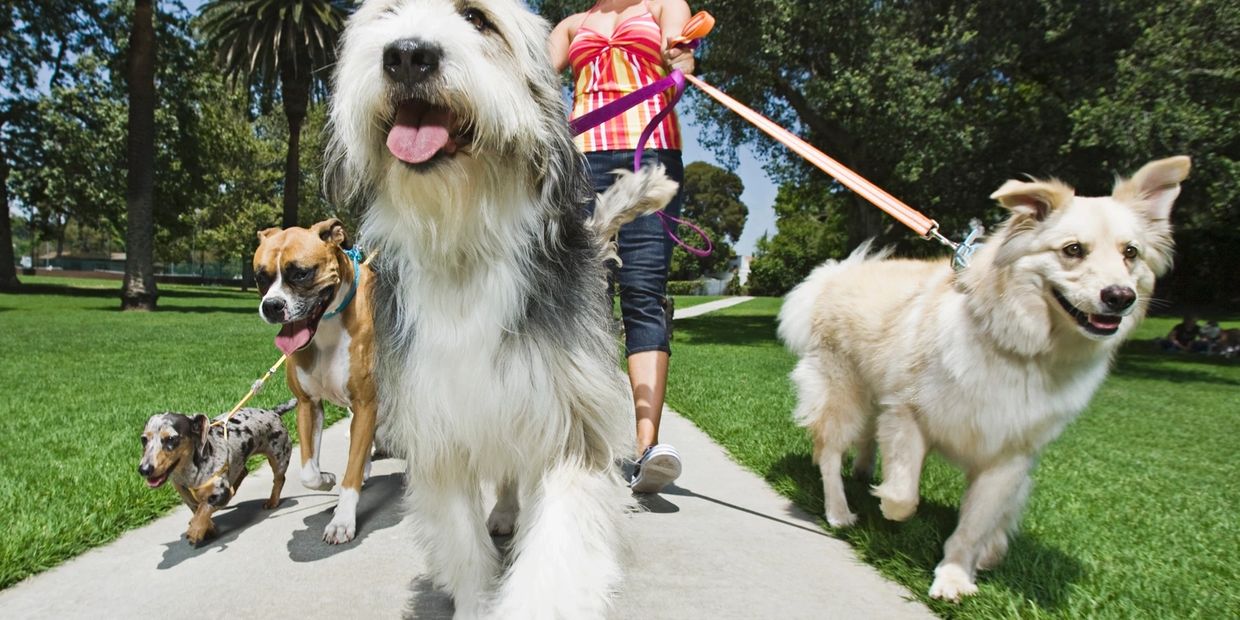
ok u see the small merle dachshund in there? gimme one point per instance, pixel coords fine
(204, 469)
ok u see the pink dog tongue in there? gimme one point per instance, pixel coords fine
(293, 336)
(419, 132)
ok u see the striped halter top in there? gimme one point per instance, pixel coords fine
(608, 68)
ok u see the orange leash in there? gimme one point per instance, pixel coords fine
(698, 27)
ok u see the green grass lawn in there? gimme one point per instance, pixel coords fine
(1134, 512)
(80, 379)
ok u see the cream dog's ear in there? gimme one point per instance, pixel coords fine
(267, 232)
(1034, 199)
(332, 230)
(1154, 188)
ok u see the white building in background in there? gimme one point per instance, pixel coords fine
(740, 266)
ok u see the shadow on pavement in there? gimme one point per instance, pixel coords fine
(229, 523)
(651, 502)
(428, 601)
(378, 508)
(806, 526)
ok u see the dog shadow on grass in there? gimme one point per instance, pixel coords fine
(378, 508)
(229, 523)
(1150, 364)
(726, 329)
(918, 543)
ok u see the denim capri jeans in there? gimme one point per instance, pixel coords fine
(645, 251)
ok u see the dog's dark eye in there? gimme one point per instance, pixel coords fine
(299, 274)
(143, 439)
(1131, 252)
(476, 19)
(171, 443)
(263, 280)
(1073, 250)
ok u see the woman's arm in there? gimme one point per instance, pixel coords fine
(673, 16)
(561, 38)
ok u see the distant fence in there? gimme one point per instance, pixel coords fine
(227, 273)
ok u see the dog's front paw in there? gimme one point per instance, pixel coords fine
(846, 519)
(197, 533)
(501, 522)
(322, 482)
(951, 583)
(340, 530)
(894, 510)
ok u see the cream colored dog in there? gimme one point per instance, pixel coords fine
(987, 365)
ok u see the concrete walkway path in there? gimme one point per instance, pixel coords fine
(710, 306)
(720, 544)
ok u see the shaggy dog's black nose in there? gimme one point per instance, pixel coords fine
(411, 61)
(145, 470)
(1118, 297)
(273, 309)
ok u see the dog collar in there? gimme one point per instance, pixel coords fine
(354, 255)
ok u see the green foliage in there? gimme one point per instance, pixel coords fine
(262, 43)
(939, 102)
(219, 172)
(811, 230)
(265, 44)
(712, 201)
(683, 287)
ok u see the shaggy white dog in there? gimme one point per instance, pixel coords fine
(496, 363)
(987, 365)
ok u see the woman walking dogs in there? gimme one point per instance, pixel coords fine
(616, 48)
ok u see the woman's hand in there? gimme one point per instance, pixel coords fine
(679, 58)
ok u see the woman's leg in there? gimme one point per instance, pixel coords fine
(648, 375)
(645, 253)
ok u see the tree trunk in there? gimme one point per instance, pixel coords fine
(295, 95)
(292, 170)
(139, 292)
(8, 262)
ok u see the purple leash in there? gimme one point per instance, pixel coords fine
(590, 120)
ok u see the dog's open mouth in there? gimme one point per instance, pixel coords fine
(1100, 324)
(295, 335)
(155, 482)
(423, 131)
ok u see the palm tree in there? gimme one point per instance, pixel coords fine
(290, 42)
(139, 292)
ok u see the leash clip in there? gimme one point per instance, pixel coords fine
(964, 250)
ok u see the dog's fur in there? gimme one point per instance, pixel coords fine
(193, 453)
(338, 362)
(495, 357)
(987, 365)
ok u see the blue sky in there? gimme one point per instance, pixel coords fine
(759, 193)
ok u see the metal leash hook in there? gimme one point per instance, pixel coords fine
(964, 250)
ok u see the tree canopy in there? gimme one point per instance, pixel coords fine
(940, 101)
(711, 201)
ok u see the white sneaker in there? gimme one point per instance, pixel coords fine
(658, 467)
